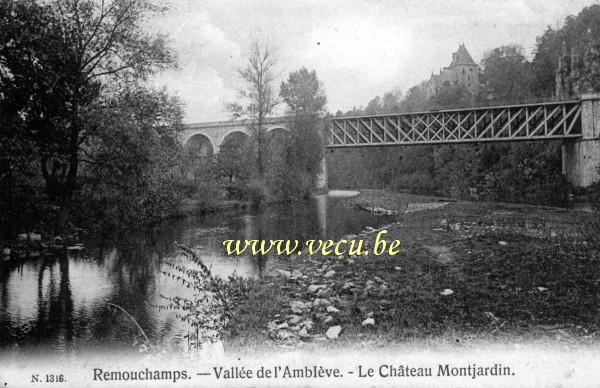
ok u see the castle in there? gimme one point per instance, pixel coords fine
(463, 71)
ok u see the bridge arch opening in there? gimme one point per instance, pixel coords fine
(199, 145)
(278, 141)
(234, 138)
(278, 131)
(278, 136)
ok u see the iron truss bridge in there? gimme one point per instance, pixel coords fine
(551, 120)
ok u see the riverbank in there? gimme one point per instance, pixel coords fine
(467, 273)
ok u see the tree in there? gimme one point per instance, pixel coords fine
(549, 47)
(374, 106)
(259, 98)
(389, 103)
(130, 166)
(57, 60)
(450, 95)
(232, 158)
(304, 95)
(415, 100)
(507, 73)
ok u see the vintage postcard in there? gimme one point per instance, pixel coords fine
(302, 193)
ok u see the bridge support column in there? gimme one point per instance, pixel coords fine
(581, 158)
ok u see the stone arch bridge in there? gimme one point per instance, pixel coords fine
(213, 134)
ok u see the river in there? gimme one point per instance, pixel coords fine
(59, 305)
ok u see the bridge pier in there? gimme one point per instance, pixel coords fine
(581, 157)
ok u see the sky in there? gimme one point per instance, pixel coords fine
(359, 48)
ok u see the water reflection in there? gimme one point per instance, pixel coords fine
(60, 303)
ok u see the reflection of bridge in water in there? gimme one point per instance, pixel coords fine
(575, 122)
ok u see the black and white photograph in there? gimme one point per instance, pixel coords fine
(299, 193)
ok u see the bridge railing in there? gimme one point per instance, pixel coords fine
(525, 121)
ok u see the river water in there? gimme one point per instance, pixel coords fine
(60, 304)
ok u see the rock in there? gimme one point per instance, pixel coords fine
(331, 309)
(330, 273)
(296, 274)
(321, 302)
(503, 243)
(272, 325)
(284, 273)
(542, 289)
(303, 332)
(350, 261)
(35, 237)
(368, 321)
(333, 332)
(294, 319)
(447, 292)
(328, 319)
(283, 325)
(398, 268)
(316, 287)
(281, 335)
(297, 306)
(308, 324)
(347, 285)
(6, 252)
(22, 237)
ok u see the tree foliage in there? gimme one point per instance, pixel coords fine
(258, 99)
(74, 100)
(303, 93)
(305, 97)
(57, 59)
(507, 73)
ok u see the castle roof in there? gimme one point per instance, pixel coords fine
(462, 57)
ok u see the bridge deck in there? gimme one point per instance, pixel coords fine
(552, 120)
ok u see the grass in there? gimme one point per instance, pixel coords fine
(518, 273)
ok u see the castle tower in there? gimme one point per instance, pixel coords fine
(462, 71)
